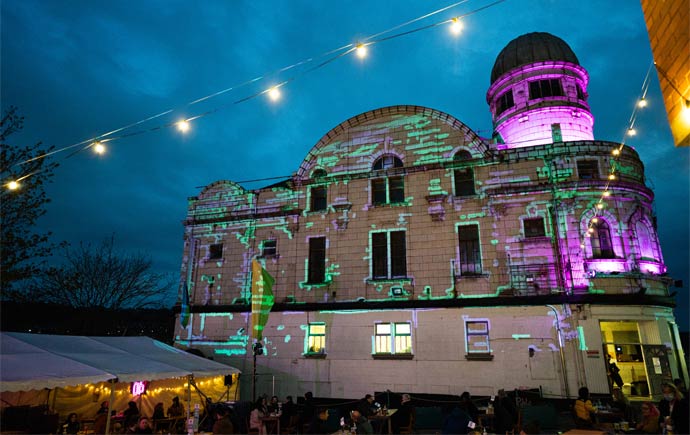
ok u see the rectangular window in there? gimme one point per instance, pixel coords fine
(545, 88)
(388, 190)
(469, 251)
(393, 338)
(215, 251)
(388, 255)
(588, 169)
(477, 335)
(317, 260)
(504, 102)
(464, 182)
(316, 338)
(318, 198)
(534, 227)
(269, 248)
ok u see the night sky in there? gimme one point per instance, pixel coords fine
(78, 69)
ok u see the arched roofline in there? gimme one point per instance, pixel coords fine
(220, 183)
(453, 122)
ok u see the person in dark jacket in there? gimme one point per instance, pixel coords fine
(71, 425)
(673, 410)
(467, 405)
(223, 424)
(318, 423)
(457, 422)
(402, 417)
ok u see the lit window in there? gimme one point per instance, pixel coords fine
(601, 240)
(534, 227)
(215, 251)
(545, 88)
(318, 198)
(504, 102)
(316, 338)
(469, 251)
(388, 255)
(393, 338)
(588, 169)
(463, 177)
(389, 190)
(477, 335)
(269, 248)
(317, 260)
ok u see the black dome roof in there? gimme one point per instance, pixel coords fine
(530, 48)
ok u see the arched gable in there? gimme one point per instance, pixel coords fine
(416, 134)
(222, 187)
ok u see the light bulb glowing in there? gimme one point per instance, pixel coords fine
(590, 230)
(455, 26)
(183, 126)
(595, 220)
(685, 112)
(642, 103)
(600, 206)
(13, 185)
(361, 51)
(98, 148)
(274, 93)
(616, 152)
(612, 176)
(632, 131)
(607, 193)
(582, 246)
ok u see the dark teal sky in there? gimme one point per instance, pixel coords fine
(80, 68)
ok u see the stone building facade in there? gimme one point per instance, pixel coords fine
(410, 254)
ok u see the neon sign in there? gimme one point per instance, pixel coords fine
(138, 388)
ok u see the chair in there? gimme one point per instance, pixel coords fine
(409, 429)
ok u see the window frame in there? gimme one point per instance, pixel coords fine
(505, 101)
(601, 241)
(265, 249)
(469, 343)
(316, 255)
(472, 254)
(215, 251)
(546, 88)
(588, 169)
(387, 343)
(383, 244)
(318, 198)
(528, 229)
(320, 336)
(463, 178)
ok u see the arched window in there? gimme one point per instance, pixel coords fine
(647, 242)
(602, 247)
(463, 177)
(389, 190)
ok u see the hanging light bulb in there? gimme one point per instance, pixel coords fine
(455, 26)
(361, 51)
(13, 185)
(183, 125)
(607, 193)
(274, 93)
(595, 220)
(616, 152)
(582, 245)
(98, 147)
(642, 103)
(632, 131)
(590, 230)
(600, 206)
(612, 177)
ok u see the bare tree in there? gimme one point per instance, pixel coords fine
(100, 277)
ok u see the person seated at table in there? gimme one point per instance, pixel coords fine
(131, 415)
(673, 410)
(103, 409)
(362, 424)
(467, 405)
(223, 424)
(402, 417)
(622, 404)
(158, 412)
(366, 406)
(457, 422)
(650, 419)
(584, 409)
(318, 423)
(71, 425)
(256, 415)
(142, 425)
(176, 409)
(273, 407)
(100, 422)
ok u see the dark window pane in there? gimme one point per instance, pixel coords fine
(464, 182)
(378, 188)
(470, 258)
(318, 198)
(396, 187)
(545, 88)
(317, 260)
(398, 255)
(215, 251)
(588, 169)
(602, 247)
(269, 248)
(379, 255)
(505, 102)
(386, 162)
(534, 227)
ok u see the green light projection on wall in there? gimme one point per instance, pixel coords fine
(581, 337)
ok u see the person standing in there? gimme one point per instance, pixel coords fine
(176, 410)
(614, 372)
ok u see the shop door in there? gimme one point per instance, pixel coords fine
(658, 367)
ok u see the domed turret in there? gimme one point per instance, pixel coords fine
(538, 93)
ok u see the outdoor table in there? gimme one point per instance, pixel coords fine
(382, 419)
(272, 421)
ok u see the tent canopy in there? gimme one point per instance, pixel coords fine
(36, 361)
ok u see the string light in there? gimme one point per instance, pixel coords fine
(612, 177)
(455, 26)
(13, 185)
(274, 94)
(361, 51)
(642, 103)
(616, 152)
(607, 193)
(600, 206)
(98, 148)
(632, 131)
(183, 125)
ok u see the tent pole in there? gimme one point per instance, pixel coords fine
(110, 404)
(52, 405)
(189, 396)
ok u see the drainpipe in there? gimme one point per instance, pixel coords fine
(562, 352)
